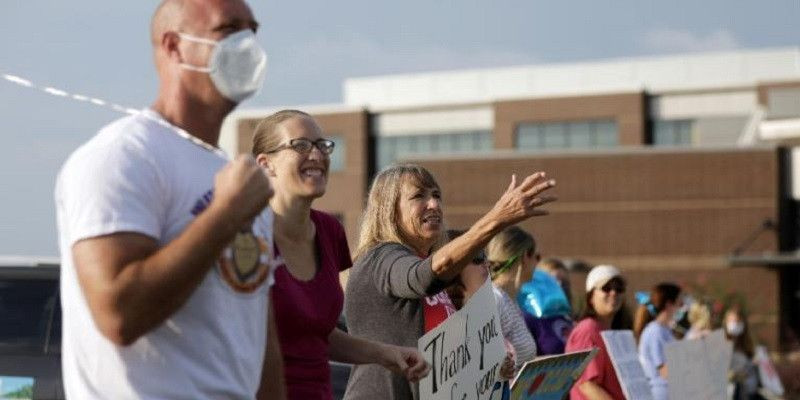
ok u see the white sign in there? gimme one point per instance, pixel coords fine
(766, 372)
(624, 356)
(698, 368)
(465, 352)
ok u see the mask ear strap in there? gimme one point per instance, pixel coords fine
(196, 39)
(195, 68)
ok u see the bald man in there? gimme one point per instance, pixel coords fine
(166, 263)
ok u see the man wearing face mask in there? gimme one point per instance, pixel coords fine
(166, 268)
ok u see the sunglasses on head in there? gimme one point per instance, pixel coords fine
(479, 258)
(615, 285)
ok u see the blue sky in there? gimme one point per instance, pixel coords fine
(101, 48)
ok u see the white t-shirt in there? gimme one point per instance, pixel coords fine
(136, 175)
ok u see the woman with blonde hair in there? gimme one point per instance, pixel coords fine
(699, 317)
(512, 259)
(307, 297)
(395, 292)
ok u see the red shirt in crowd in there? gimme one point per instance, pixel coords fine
(600, 370)
(306, 312)
(436, 309)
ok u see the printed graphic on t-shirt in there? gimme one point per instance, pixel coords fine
(436, 309)
(245, 263)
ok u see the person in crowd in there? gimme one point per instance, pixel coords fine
(519, 344)
(472, 277)
(652, 328)
(166, 276)
(558, 270)
(743, 371)
(699, 317)
(395, 292)
(312, 249)
(604, 309)
(512, 260)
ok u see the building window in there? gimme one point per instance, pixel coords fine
(339, 152)
(567, 135)
(672, 132)
(392, 148)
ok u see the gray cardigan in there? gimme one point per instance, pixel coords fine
(383, 302)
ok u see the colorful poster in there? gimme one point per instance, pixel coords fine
(465, 352)
(625, 357)
(16, 388)
(551, 377)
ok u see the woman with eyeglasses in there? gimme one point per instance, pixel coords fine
(652, 328)
(312, 248)
(605, 289)
(395, 291)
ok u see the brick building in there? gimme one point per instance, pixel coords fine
(674, 168)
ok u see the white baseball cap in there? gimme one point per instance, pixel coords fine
(600, 275)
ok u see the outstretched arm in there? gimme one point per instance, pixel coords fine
(518, 203)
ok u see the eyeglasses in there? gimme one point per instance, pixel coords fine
(615, 285)
(304, 146)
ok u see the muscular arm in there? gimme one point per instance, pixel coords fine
(132, 286)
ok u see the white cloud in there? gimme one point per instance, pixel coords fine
(683, 41)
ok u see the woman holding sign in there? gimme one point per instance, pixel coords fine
(395, 292)
(604, 310)
(307, 297)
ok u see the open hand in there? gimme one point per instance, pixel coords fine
(522, 201)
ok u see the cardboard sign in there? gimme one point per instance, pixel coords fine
(699, 368)
(465, 352)
(767, 373)
(550, 377)
(625, 357)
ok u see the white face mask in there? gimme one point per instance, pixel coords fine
(734, 328)
(237, 64)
